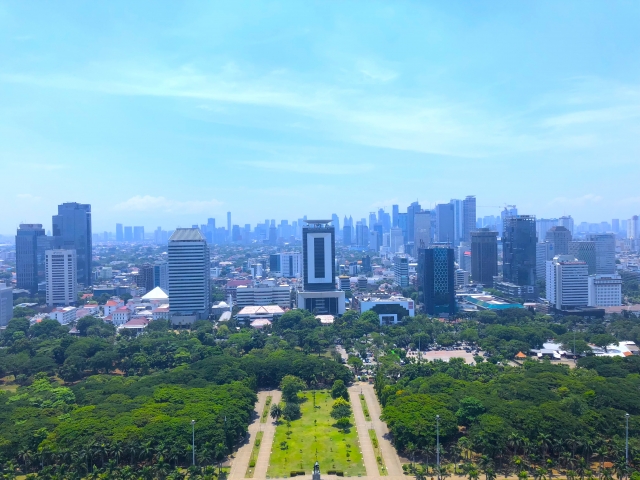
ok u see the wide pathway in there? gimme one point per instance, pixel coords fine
(269, 429)
(368, 454)
(243, 455)
(389, 454)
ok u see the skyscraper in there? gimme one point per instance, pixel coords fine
(584, 251)
(229, 225)
(457, 221)
(422, 229)
(138, 234)
(320, 294)
(468, 217)
(119, 233)
(189, 266)
(346, 235)
(560, 237)
(394, 215)
(567, 282)
(519, 250)
(605, 246)
(128, 234)
(484, 256)
(411, 211)
(615, 225)
(445, 223)
(633, 232)
(27, 255)
(401, 271)
(335, 221)
(566, 222)
(61, 274)
(72, 231)
(543, 225)
(6, 304)
(437, 271)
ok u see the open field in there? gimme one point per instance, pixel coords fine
(312, 437)
(446, 355)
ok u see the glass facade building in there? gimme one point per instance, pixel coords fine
(437, 269)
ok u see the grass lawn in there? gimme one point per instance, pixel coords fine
(265, 411)
(314, 432)
(254, 455)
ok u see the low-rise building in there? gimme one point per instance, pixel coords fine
(63, 315)
(112, 305)
(264, 293)
(259, 312)
(161, 312)
(390, 309)
(120, 316)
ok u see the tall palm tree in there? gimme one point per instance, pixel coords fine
(25, 456)
(544, 441)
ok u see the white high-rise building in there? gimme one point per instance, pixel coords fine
(633, 233)
(605, 290)
(544, 253)
(61, 274)
(189, 282)
(6, 304)
(567, 282)
(291, 264)
(461, 278)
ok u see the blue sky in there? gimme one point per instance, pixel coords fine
(166, 113)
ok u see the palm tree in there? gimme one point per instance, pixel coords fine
(276, 411)
(26, 456)
(544, 441)
(472, 473)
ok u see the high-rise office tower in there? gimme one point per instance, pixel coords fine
(372, 220)
(615, 225)
(320, 294)
(229, 225)
(189, 265)
(633, 232)
(560, 237)
(484, 256)
(138, 234)
(605, 246)
(437, 271)
(6, 304)
(544, 252)
(567, 282)
(566, 222)
(445, 223)
(291, 264)
(128, 234)
(161, 276)
(27, 255)
(394, 215)
(335, 221)
(411, 211)
(146, 277)
(119, 233)
(384, 219)
(468, 217)
(362, 235)
(346, 235)
(72, 231)
(457, 221)
(519, 250)
(422, 229)
(401, 271)
(543, 225)
(396, 240)
(585, 251)
(61, 274)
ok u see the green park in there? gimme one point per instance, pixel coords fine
(316, 436)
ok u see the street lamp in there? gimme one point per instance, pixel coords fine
(626, 442)
(438, 444)
(193, 442)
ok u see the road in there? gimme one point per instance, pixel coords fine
(269, 429)
(368, 455)
(389, 454)
(243, 455)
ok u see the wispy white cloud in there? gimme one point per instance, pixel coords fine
(315, 168)
(146, 203)
(27, 197)
(581, 201)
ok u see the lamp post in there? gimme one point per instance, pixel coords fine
(626, 440)
(193, 442)
(438, 444)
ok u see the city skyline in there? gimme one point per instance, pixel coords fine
(186, 112)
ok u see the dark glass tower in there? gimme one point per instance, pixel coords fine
(27, 255)
(437, 270)
(72, 231)
(519, 250)
(484, 256)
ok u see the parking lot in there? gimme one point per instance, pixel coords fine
(445, 355)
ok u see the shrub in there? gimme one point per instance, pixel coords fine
(257, 442)
(252, 463)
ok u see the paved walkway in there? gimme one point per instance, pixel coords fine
(389, 454)
(269, 429)
(243, 455)
(368, 454)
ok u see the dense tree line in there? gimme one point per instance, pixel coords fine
(513, 419)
